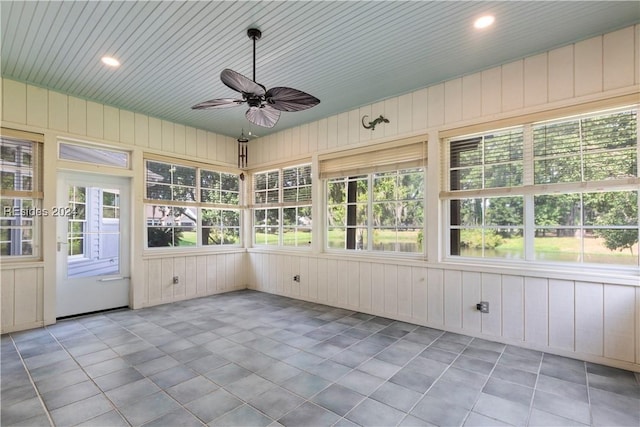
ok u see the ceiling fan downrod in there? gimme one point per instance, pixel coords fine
(254, 34)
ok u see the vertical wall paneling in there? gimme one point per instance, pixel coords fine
(179, 270)
(453, 299)
(405, 114)
(289, 265)
(391, 113)
(14, 101)
(365, 134)
(588, 66)
(303, 139)
(111, 123)
(201, 275)
(213, 151)
(472, 96)
(37, 114)
(619, 318)
(512, 86)
(561, 314)
(332, 281)
(77, 116)
(513, 307)
(618, 60)
(179, 138)
(536, 311)
(471, 295)
(167, 136)
(354, 125)
(191, 141)
(323, 291)
(419, 103)
(312, 278)
(296, 142)
(535, 80)
(7, 299)
(166, 279)
(391, 289)
(154, 280)
(491, 291)
(190, 276)
(419, 298)
(453, 101)
(353, 284)
(303, 270)
(155, 133)
(491, 92)
(365, 286)
(435, 296)
(212, 274)
(323, 132)
(377, 288)
(58, 111)
(589, 318)
(332, 132)
(435, 108)
(201, 149)
(127, 127)
(221, 273)
(141, 130)
(26, 296)
(405, 286)
(342, 130)
(95, 120)
(561, 73)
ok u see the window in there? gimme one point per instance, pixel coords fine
(556, 191)
(375, 198)
(92, 154)
(377, 212)
(191, 206)
(282, 207)
(21, 211)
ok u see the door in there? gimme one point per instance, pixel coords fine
(92, 242)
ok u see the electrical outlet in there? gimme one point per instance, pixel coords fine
(483, 306)
(176, 280)
(296, 278)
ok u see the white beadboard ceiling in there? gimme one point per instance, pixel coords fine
(347, 54)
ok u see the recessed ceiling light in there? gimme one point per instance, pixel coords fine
(111, 62)
(484, 21)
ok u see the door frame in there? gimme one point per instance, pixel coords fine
(82, 178)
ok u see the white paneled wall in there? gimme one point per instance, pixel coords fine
(596, 68)
(23, 288)
(198, 276)
(589, 320)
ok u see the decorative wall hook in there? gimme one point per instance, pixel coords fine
(372, 125)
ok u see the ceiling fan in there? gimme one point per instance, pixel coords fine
(264, 105)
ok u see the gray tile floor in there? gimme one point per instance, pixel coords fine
(254, 359)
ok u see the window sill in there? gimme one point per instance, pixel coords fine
(629, 276)
(189, 251)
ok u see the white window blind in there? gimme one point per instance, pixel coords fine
(409, 154)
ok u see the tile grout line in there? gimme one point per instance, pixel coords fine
(113, 405)
(24, 365)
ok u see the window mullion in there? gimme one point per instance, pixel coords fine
(369, 212)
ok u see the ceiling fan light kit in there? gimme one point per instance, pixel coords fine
(265, 105)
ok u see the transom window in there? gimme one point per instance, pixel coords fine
(191, 206)
(567, 191)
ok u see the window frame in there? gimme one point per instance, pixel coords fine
(530, 190)
(196, 206)
(33, 195)
(369, 227)
(280, 205)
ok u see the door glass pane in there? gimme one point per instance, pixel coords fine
(93, 232)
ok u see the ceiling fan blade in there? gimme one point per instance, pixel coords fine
(240, 83)
(218, 103)
(288, 99)
(263, 116)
